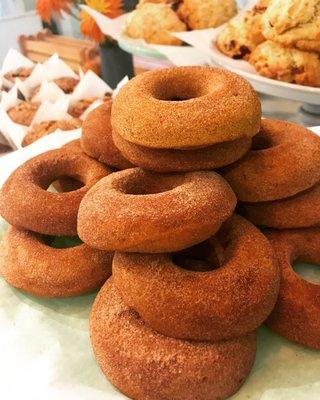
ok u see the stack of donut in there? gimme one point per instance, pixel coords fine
(31, 262)
(191, 280)
(278, 184)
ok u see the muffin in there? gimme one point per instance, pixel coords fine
(46, 127)
(294, 23)
(24, 112)
(153, 22)
(78, 108)
(286, 64)
(201, 14)
(22, 73)
(241, 35)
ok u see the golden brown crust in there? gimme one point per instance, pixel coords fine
(275, 61)
(23, 113)
(203, 14)
(96, 139)
(153, 22)
(25, 203)
(140, 211)
(163, 160)
(285, 160)
(34, 267)
(299, 211)
(22, 73)
(240, 36)
(296, 315)
(220, 107)
(44, 128)
(219, 304)
(146, 365)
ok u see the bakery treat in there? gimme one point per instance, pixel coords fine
(141, 211)
(171, 160)
(78, 108)
(296, 315)
(202, 14)
(26, 204)
(299, 211)
(67, 84)
(21, 73)
(213, 106)
(284, 160)
(233, 297)
(293, 23)
(44, 128)
(23, 113)
(96, 139)
(146, 365)
(275, 61)
(34, 266)
(153, 23)
(240, 36)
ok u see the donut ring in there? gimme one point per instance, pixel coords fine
(96, 139)
(148, 212)
(34, 267)
(288, 165)
(185, 107)
(146, 365)
(163, 160)
(177, 302)
(299, 211)
(296, 315)
(25, 203)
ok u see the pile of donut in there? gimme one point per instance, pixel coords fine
(191, 279)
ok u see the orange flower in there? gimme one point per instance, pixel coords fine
(110, 8)
(45, 8)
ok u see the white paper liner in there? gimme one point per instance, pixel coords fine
(184, 56)
(57, 111)
(38, 75)
(50, 92)
(57, 68)
(90, 86)
(9, 99)
(13, 133)
(15, 60)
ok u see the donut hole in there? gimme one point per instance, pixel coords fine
(180, 89)
(309, 272)
(67, 184)
(261, 142)
(61, 242)
(151, 184)
(203, 257)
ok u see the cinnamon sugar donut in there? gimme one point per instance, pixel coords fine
(163, 160)
(32, 265)
(25, 203)
(146, 365)
(185, 107)
(97, 140)
(284, 161)
(217, 304)
(296, 315)
(148, 212)
(299, 211)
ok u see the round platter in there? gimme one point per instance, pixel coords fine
(139, 48)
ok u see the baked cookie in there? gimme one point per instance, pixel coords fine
(202, 14)
(22, 73)
(153, 23)
(24, 112)
(242, 34)
(293, 23)
(46, 127)
(275, 61)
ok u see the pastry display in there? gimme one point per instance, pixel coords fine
(153, 22)
(280, 39)
(21, 73)
(202, 14)
(24, 112)
(150, 191)
(37, 131)
(296, 315)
